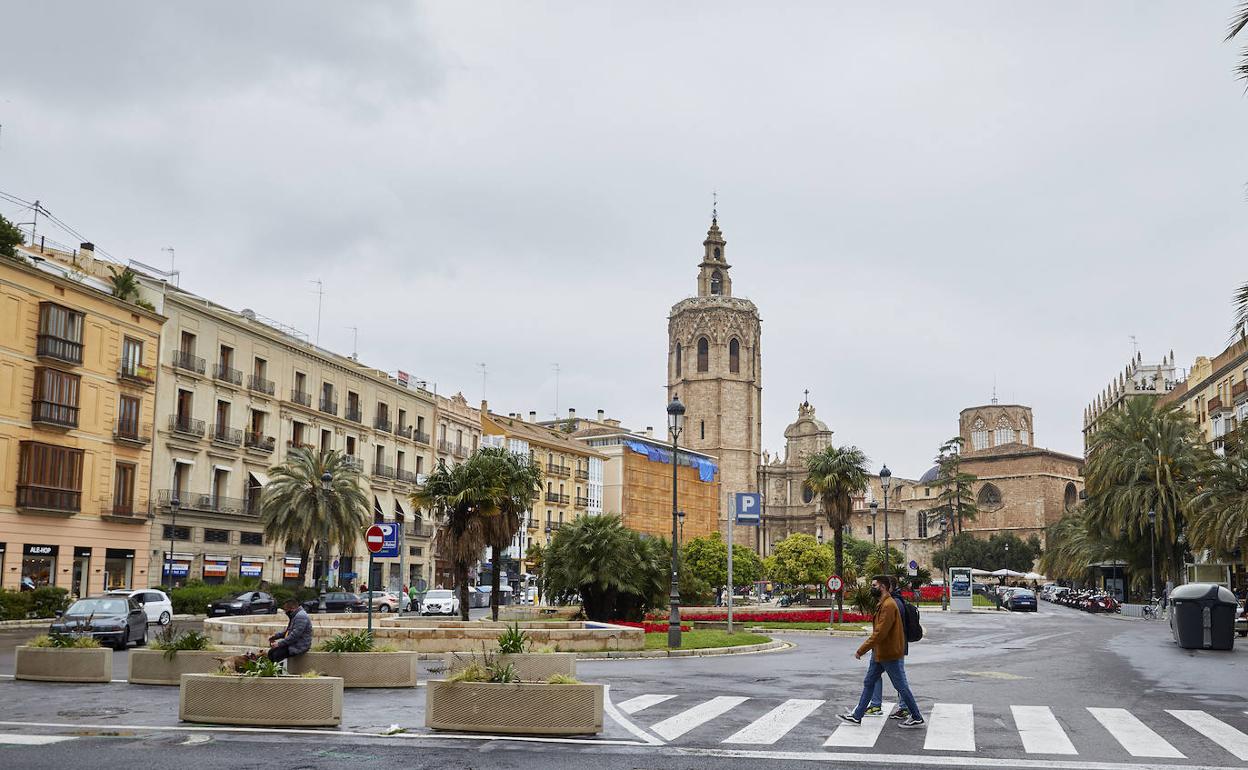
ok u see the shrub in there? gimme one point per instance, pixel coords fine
(194, 597)
(64, 642)
(40, 603)
(654, 628)
(361, 641)
(562, 679)
(262, 667)
(513, 641)
(173, 641)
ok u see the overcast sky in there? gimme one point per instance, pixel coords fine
(921, 199)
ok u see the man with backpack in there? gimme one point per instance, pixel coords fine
(887, 645)
(914, 632)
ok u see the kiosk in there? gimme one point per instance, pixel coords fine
(960, 589)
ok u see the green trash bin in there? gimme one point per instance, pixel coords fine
(1202, 616)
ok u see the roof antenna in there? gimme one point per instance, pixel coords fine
(555, 366)
(355, 342)
(320, 295)
(994, 388)
(172, 263)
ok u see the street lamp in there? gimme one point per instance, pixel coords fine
(885, 477)
(174, 505)
(675, 423)
(1152, 555)
(875, 509)
(681, 515)
(326, 479)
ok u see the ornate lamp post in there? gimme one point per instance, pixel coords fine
(875, 509)
(886, 477)
(1152, 555)
(326, 479)
(675, 424)
(174, 505)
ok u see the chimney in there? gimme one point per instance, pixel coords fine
(649, 431)
(602, 415)
(571, 413)
(485, 406)
(87, 248)
(612, 423)
(532, 416)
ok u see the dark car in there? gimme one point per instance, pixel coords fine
(1020, 600)
(112, 620)
(337, 602)
(246, 603)
(1241, 619)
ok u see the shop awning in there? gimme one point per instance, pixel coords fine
(259, 477)
(377, 509)
(400, 509)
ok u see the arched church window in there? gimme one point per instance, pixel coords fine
(677, 359)
(704, 355)
(1004, 433)
(1071, 496)
(717, 283)
(979, 435)
(734, 356)
(989, 495)
(808, 494)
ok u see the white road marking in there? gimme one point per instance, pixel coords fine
(1136, 737)
(951, 727)
(611, 711)
(1215, 730)
(675, 726)
(633, 705)
(19, 739)
(860, 759)
(775, 724)
(1040, 731)
(861, 736)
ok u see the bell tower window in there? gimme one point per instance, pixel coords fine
(704, 355)
(717, 283)
(734, 356)
(678, 359)
(717, 253)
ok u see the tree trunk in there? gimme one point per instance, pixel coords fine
(495, 580)
(839, 545)
(304, 554)
(461, 577)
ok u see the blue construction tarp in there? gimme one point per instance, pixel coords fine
(706, 468)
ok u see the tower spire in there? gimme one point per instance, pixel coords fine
(714, 207)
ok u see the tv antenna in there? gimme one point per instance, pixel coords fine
(320, 295)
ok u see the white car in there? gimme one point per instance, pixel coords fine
(156, 604)
(440, 602)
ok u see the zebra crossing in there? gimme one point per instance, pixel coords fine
(739, 721)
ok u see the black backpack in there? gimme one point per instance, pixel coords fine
(910, 618)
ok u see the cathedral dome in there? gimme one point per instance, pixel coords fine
(932, 474)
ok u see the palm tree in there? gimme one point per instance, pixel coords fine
(464, 498)
(125, 283)
(954, 502)
(1145, 457)
(836, 476)
(1219, 512)
(297, 507)
(616, 572)
(518, 481)
(1238, 22)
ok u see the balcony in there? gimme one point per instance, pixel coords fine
(137, 435)
(48, 413)
(384, 471)
(58, 349)
(224, 373)
(562, 471)
(420, 529)
(420, 438)
(136, 374)
(353, 463)
(329, 406)
(404, 431)
(354, 414)
(531, 525)
(259, 442)
(48, 500)
(124, 512)
(260, 385)
(195, 501)
(188, 362)
(582, 474)
(555, 497)
(186, 426)
(445, 447)
(296, 444)
(224, 434)
(582, 502)
(381, 423)
(1215, 405)
(460, 450)
(299, 397)
(553, 527)
(408, 477)
(1239, 391)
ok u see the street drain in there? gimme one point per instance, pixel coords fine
(99, 712)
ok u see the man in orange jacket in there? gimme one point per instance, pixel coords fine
(888, 643)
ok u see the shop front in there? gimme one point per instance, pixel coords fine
(251, 568)
(216, 569)
(175, 568)
(82, 572)
(38, 565)
(118, 569)
(290, 571)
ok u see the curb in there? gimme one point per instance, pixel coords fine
(42, 622)
(772, 646)
(838, 632)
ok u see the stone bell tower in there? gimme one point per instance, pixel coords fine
(714, 364)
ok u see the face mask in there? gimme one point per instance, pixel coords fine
(875, 592)
(291, 613)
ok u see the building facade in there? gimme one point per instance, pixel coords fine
(1215, 394)
(77, 382)
(714, 365)
(1137, 379)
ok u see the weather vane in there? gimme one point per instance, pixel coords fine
(714, 206)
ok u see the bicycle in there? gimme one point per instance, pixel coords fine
(1153, 611)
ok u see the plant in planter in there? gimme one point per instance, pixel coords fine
(488, 697)
(171, 654)
(360, 662)
(515, 648)
(261, 694)
(63, 658)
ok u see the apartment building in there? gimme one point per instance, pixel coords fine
(77, 381)
(1215, 393)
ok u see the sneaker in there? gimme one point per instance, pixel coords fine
(901, 713)
(873, 711)
(912, 722)
(853, 720)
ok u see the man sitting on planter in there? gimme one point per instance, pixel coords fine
(296, 639)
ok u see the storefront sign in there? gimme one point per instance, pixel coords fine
(291, 569)
(82, 553)
(216, 567)
(41, 550)
(249, 568)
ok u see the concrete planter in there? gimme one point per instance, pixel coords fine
(48, 664)
(152, 667)
(514, 709)
(361, 669)
(279, 701)
(530, 667)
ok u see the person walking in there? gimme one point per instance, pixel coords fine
(887, 644)
(877, 695)
(296, 639)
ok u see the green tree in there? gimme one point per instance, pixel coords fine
(747, 567)
(10, 238)
(1145, 457)
(517, 481)
(616, 572)
(955, 504)
(125, 284)
(296, 508)
(1238, 22)
(463, 499)
(1219, 511)
(1074, 547)
(799, 560)
(706, 559)
(1001, 551)
(876, 562)
(837, 475)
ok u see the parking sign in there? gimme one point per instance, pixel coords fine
(389, 541)
(749, 508)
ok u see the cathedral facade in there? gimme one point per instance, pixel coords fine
(714, 365)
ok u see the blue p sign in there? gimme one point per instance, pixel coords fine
(749, 508)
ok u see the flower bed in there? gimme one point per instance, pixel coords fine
(799, 616)
(650, 628)
(926, 593)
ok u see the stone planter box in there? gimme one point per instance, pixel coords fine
(279, 701)
(152, 667)
(361, 669)
(530, 667)
(48, 664)
(514, 709)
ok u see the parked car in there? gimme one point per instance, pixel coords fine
(246, 603)
(113, 620)
(387, 601)
(156, 604)
(1241, 619)
(337, 601)
(1019, 600)
(440, 601)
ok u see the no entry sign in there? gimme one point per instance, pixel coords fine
(375, 539)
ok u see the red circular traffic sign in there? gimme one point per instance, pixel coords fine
(834, 583)
(375, 539)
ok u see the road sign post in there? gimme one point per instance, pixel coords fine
(745, 509)
(375, 540)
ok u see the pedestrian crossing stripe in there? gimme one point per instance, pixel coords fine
(950, 727)
(21, 739)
